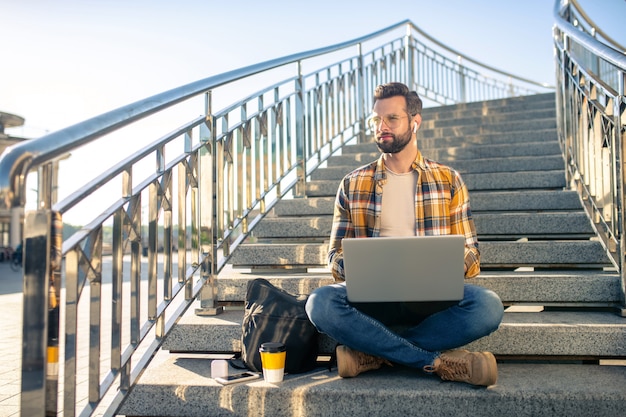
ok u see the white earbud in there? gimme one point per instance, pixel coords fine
(414, 127)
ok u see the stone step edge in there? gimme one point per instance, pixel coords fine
(539, 334)
(543, 135)
(486, 177)
(505, 103)
(554, 254)
(535, 223)
(338, 168)
(497, 109)
(181, 385)
(327, 203)
(549, 288)
(361, 149)
(476, 117)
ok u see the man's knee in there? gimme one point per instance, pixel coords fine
(487, 305)
(492, 306)
(314, 305)
(319, 305)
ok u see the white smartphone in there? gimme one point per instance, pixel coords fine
(235, 378)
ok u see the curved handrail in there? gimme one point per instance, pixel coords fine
(608, 53)
(17, 160)
(595, 27)
(473, 61)
(590, 118)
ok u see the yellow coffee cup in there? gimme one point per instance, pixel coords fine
(273, 355)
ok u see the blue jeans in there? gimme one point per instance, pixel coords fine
(415, 345)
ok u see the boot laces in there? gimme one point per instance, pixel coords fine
(452, 368)
(366, 360)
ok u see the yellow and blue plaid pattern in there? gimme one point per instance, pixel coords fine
(441, 208)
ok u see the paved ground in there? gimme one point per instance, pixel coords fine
(11, 346)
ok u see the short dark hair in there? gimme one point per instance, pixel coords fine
(413, 101)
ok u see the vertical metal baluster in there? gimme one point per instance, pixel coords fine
(208, 210)
(136, 247)
(71, 327)
(153, 230)
(301, 148)
(360, 97)
(181, 244)
(35, 398)
(116, 289)
(262, 156)
(95, 312)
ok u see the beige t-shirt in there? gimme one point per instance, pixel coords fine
(398, 206)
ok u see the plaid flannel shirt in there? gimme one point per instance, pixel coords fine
(441, 208)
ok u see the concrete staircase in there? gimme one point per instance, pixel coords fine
(561, 347)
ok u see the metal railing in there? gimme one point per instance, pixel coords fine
(177, 208)
(591, 111)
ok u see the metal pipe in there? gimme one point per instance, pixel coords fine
(594, 46)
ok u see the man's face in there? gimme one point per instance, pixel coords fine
(391, 124)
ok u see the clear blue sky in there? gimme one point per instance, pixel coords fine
(68, 60)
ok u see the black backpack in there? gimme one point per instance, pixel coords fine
(273, 315)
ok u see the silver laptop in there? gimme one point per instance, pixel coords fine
(410, 269)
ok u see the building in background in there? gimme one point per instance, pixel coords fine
(10, 235)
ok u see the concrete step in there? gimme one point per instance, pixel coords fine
(476, 116)
(533, 225)
(478, 152)
(464, 166)
(512, 225)
(543, 334)
(494, 114)
(500, 138)
(504, 105)
(570, 288)
(539, 254)
(519, 119)
(526, 180)
(569, 334)
(511, 126)
(181, 386)
(500, 181)
(523, 136)
(475, 152)
(335, 171)
(524, 200)
(493, 109)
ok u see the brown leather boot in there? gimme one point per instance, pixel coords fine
(351, 362)
(477, 368)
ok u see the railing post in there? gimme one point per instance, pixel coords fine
(209, 194)
(567, 122)
(43, 238)
(563, 105)
(361, 94)
(620, 132)
(39, 396)
(462, 86)
(301, 153)
(408, 56)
